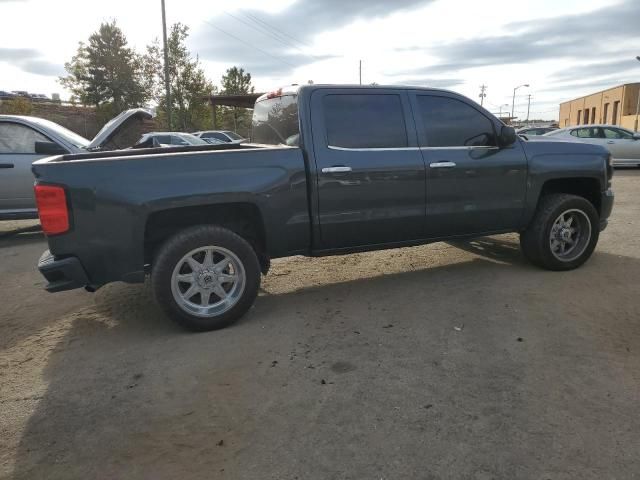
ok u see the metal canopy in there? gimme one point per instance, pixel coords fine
(244, 100)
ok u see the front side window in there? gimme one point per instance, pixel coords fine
(585, 133)
(451, 123)
(16, 138)
(364, 121)
(615, 133)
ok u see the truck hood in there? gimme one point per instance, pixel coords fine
(116, 124)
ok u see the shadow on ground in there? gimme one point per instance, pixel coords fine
(485, 368)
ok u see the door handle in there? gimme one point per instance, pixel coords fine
(6, 165)
(442, 165)
(611, 142)
(337, 169)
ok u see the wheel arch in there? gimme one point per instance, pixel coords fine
(243, 218)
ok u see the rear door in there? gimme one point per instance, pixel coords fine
(473, 186)
(17, 153)
(370, 173)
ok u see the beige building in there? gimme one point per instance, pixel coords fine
(615, 106)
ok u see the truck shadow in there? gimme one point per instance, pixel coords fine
(129, 394)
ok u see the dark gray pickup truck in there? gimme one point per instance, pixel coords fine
(331, 170)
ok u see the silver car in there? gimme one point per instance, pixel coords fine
(623, 144)
(24, 140)
(220, 136)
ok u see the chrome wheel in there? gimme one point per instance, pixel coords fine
(208, 281)
(570, 235)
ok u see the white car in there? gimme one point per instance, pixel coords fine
(168, 139)
(623, 144)
(223, 136)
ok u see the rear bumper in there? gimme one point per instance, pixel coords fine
(606, 206)
(62, 274)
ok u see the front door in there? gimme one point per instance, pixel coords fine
(17, 153)
(473, 186)
(371, 175)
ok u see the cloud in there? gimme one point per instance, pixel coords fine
(276, 43)
(581, 37)
(431, 82)
(29, 60)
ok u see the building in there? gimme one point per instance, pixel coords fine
(615, 106)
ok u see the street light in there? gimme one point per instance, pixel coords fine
(638, 102)
(513, 101)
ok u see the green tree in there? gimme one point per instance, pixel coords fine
(106, 73)
(236, 82)
(188, 82)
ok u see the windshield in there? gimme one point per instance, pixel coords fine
(69, 136)
(275, 121)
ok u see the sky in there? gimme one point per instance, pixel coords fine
(561, 48)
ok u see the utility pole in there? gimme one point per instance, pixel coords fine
(166, 65)
(483, 88)
(528, 106)
(360, 69)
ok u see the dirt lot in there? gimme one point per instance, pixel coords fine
(432, 362)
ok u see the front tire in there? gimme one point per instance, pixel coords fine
(563, 233)
(205, 277)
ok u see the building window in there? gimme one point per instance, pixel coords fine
(586, 116)
(578, 117)
(593, 115)
(614, 118)
(605, 113)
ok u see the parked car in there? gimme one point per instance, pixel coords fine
(374, 167)
(21, 93)
(168, 139)
(223, 136)
(535, 130)
(26, 139)
(4, 95)
(623, 144)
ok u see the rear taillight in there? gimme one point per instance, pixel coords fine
(52, 209)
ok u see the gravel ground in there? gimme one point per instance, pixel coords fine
(442, 361)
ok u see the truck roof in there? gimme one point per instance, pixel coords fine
(294, 89)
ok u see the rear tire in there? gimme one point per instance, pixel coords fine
(563, 233)
(205, 277)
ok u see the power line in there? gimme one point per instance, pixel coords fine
(272, 28)
(248, 44)
(268, 33)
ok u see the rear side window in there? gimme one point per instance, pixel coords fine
(364, 121)
(451, 123)
(15, 138)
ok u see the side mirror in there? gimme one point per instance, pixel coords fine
(507, 136)
(49, 148)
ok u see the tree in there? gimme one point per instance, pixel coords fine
(188, 82)
(237, 82)
(106, 73)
